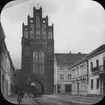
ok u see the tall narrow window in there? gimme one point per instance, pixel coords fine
(97, 83)
(33, 56)
(97, 63)
(32, 31)
(43, 31)
(25, 34)
(61, 77)
(37, 21)
(36, 57)
(91, 66)
(69, 76)
(42, 56)
(91, 83)
(37, 32)
(40, 62)
(104, 63)
(50, 35)
(34, 70)
(42, 68)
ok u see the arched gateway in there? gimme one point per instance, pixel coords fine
(37, 87)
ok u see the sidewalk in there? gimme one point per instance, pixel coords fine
(13, 99)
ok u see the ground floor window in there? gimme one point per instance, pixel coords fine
(91, 83)
(97, 83)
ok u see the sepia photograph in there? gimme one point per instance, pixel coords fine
(52, 52)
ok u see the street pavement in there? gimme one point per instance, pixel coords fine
(75, 99)
(50, 101)
(56, 99)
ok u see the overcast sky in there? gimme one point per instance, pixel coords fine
(79, 25)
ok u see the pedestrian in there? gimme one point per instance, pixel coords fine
(25, 95)
(19, 98)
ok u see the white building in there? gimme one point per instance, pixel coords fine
(79, 77)
(96, 67)
(62, 71)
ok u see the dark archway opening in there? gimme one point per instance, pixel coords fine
(37, 88)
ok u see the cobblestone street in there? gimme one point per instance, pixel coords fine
(56, 100)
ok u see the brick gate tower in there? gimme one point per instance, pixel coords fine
(38, 50)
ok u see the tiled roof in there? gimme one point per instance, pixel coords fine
(96, 51)
(68, 58)
(79, 61)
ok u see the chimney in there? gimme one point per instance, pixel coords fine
(79, 52)
(69, 52)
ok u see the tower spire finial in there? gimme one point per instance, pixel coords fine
(38, 6)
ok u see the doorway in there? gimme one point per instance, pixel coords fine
(68, 88)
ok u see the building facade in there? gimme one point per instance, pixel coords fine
(38, 50)
(62, 71)
(79, 79)
(96, 67)
(6, 67)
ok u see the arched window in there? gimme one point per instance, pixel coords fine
(36, 57)
(38, 62)
(42, 57)
(42, 63)
(34, 69)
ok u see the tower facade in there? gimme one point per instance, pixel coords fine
(38, 50)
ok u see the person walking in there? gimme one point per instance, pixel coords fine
(19, 98)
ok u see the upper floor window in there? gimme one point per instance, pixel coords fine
(25, 34)
(69, 68)
(38, 62)
(61, 68)
(69, 76)
(77, 72)
(61, 77)
(37, 21)
(32, 31)
(43, 29)
(91, 65)
(36, 57)
(50, 35)
(97, 63)
(37, 32)
(31, 28)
